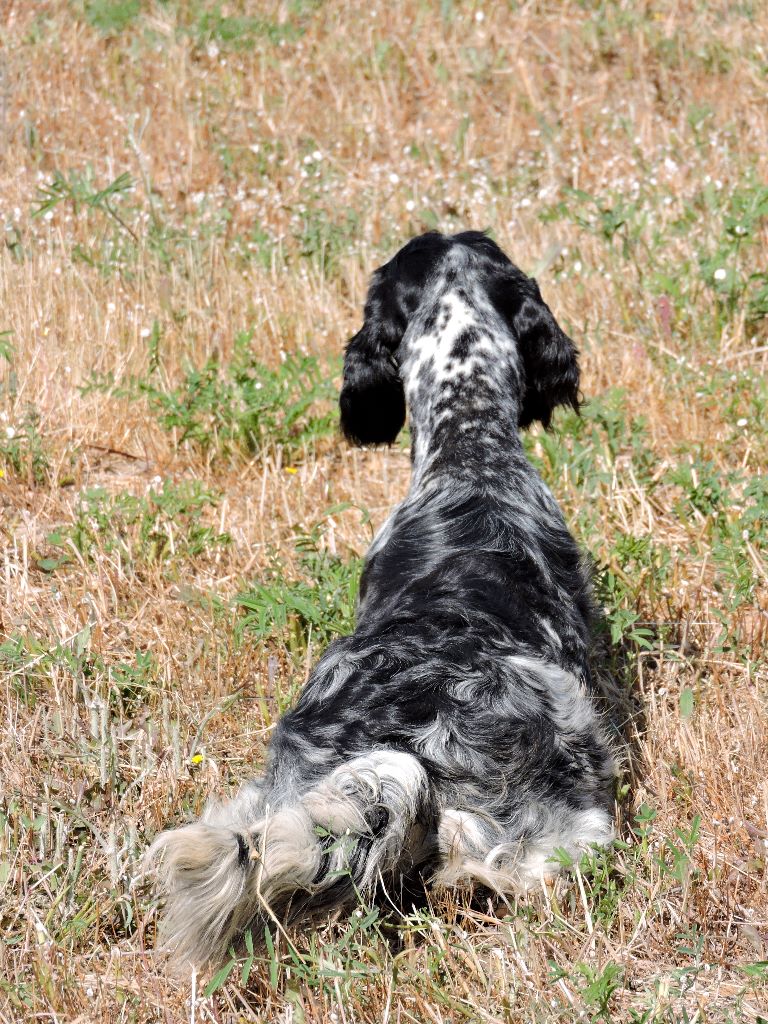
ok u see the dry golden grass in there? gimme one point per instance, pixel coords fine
(278, 152)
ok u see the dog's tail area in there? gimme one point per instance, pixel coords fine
(245, 864)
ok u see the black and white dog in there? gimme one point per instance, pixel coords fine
(456, 731)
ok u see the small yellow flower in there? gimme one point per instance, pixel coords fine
(291, 469)
(196, 759)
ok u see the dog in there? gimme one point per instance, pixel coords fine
(456, 734)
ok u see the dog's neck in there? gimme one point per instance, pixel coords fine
(462, 378)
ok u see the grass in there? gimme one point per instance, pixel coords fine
(193, 195)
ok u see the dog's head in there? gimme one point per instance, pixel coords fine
(372, 398)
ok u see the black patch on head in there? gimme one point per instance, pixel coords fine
(462, 346)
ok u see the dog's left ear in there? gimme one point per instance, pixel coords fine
(372, 399)
(550, 359)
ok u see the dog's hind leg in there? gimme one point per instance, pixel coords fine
(245, 862)
(477, 849)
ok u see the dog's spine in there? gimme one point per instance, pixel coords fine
(249, 862)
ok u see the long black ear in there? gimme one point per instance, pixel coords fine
(372, 400)
(550, 359)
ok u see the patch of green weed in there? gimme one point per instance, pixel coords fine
(313, 608)
(111, 16)
(728, 266)
(242, 31)
(166, 526)
(323, 238)
(23, 449)
(587, 445)
(245, 406)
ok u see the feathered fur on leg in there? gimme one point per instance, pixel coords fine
(246, 861)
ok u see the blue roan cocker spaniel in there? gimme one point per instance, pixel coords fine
(455, 733)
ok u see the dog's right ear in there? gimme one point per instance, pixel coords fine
(549, 357)
(372, 400)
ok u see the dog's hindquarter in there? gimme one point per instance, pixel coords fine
(512, 747)
(493, 600)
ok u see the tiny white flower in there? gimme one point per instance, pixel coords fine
(145, 332)
(212, 51)
(10, 433)
(307, 159)
(577, 267)
(111, 307)
(718, 184)
(742, 422)
(410, 206)
(317, 155)
(394, 178)
(720, 274)
(48, 215)
(479, 16)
